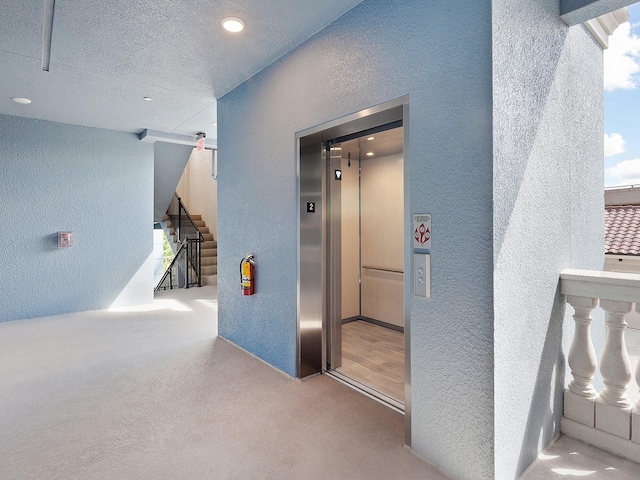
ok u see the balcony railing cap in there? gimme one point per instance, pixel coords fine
(623, 287)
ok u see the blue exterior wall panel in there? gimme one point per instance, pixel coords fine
(97, 183)
(379, 51)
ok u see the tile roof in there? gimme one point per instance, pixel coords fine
(622, 230)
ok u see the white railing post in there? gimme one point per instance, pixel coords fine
(635, 414)
(580, 396)
(613, 407)
(617, 421)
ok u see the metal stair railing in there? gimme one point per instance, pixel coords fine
(186, 266)
(181, 272)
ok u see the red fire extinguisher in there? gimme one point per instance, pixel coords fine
(248, 275)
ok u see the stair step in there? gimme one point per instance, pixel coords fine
(209, 279)
(209, 246)
(209, 269)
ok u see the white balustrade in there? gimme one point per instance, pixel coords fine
(608, 419)
(635, 414)
(613, 407)
(580, 396)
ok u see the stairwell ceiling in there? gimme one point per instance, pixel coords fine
(107, 55)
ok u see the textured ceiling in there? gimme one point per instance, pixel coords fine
(106, 56)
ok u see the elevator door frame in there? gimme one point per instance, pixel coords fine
(312, 294)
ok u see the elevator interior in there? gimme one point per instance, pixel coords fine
(368, 350)
(351, 303)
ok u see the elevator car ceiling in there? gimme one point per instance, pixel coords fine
(106, 56)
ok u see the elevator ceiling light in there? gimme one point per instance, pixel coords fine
(370, 138)
(23, 101)
(369, 154)
(233, 24)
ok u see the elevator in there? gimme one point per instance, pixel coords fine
(364, 197)
(352, 295)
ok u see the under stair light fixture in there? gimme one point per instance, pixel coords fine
(21, 100)
(233, 24)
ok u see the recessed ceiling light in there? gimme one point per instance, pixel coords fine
(233, 24)
(24, 101)
(369, 154)
(370, 138)
(147, 99)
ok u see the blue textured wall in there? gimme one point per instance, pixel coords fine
(548, 213)
(97, 183)
(440, 54)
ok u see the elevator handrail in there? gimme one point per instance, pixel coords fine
(390, 270)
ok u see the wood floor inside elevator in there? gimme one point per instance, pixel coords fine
(374, 355)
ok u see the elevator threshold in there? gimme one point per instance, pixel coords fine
(367, 391)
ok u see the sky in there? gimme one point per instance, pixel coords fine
(622, 104)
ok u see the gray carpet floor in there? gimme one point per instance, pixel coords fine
(152, 393)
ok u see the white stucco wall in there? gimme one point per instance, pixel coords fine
(169, 161)
(379, 51)
(198, 189)
(548, 213)
(97, 183)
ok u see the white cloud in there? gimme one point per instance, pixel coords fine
(622, 59)
(624, 173)
(613, 144)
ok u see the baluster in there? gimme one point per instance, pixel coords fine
(635, 415)
(613, 407)
(580, 396)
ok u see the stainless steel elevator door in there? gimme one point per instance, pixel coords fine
(315, 325)
(311, 258)
(333, 249)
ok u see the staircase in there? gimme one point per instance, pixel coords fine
(209, 248)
